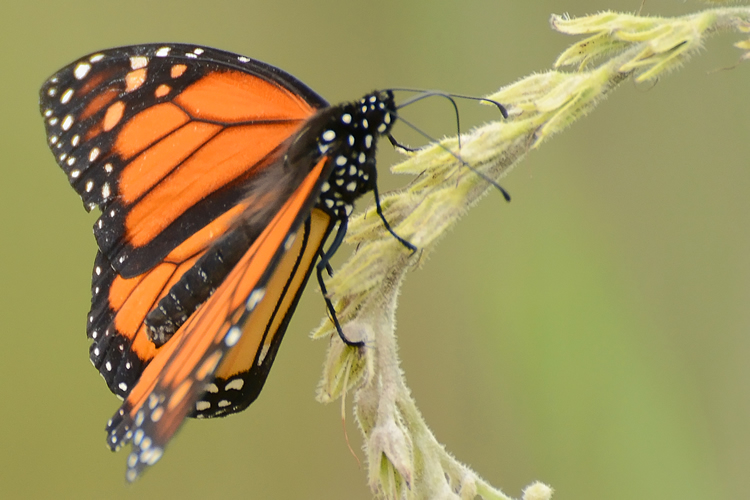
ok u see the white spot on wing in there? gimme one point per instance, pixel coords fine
(96, 58)
(138, 62)
(82, 69)
(255, 297)
(262, 354)
(235, 384)
(67, 122)
(289, 241)
(157, 414)
(202, 405)
(65, 98)
(150, 457)
(163, 52)
(233, 335)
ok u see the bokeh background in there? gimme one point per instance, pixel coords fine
(592, 334)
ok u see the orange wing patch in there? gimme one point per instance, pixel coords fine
(224, 158)
(153, 165)
(98, 103)
(130, 300)
(146, 128)
(233, 97)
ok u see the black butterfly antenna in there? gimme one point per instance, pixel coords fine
(452, 98)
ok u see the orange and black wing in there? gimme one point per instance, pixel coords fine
(218, 360)
(167, 140)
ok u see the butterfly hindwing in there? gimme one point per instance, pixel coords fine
(172, 384)
(122, 344)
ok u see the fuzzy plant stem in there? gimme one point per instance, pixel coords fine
(404, 458)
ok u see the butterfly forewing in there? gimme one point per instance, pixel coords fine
(174, 129)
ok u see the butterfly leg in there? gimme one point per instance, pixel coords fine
(397, 144)
(324, 264)
(329, 269)
(379, 210)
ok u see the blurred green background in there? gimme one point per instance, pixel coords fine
(592, 334)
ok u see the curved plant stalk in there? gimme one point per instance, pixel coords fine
(405, 459)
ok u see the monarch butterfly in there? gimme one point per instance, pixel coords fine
(219, 179)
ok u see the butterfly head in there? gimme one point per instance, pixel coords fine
(378, 110)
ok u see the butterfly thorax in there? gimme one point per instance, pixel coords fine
(347, 136)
